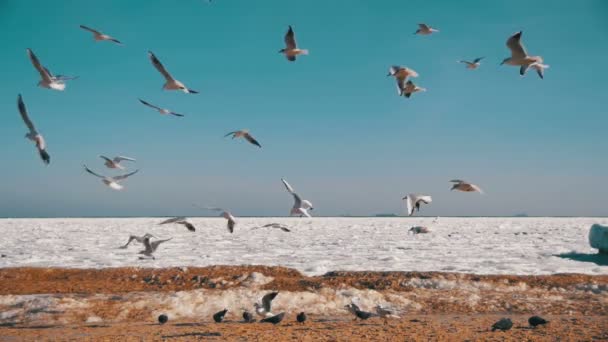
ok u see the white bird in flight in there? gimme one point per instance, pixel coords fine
(263, 309)
(33, 134)
(112, 182)
(244, 134)
(411, 88)
(300, 206)
(139, 239)
(227, 215)
(291, 49)
(115, 162)
(163, 111)
(274, 225)
(425, 29)
(519, 57)
(401, 74)
(150, 247)
(465, 186)
(474, 64)
(48, 80)
(99, 36)
(171, 83)
(413, 201)
(180, 220)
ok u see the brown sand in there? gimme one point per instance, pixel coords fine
(440, 306)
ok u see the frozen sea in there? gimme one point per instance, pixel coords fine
(314, 246)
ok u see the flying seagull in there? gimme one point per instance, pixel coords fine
(98, 36)
(227, 215)
(413, 201)
(519, 57)
(464, 186)
(401, 74)
(291, 49)
(274, 225)
(115, 162)
(151, 246)
(263, 310)
(244, 134)
(171, 84)
(300, 207)
(48, 80)
(139, 239)
(180, 220)
(472, 64)
(163, 111)
(425, 29)
(411, 88)
(112, 182)
(33, 134)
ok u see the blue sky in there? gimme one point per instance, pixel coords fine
(331, 123)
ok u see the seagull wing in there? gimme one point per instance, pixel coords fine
(297, 200)
(516, 47)
(173, 219)
(476, 188)
(188, 225)
(106, 158)
(125, 176)
(457, 181)
(91, 172)
(25, 116)
(231, 133)
(159, 66)
(424, 27)
(267, 300)
(154, 245)
(287, 186)
(425, 199)
(477, 60)
(149, 104)
(252, 140)
(409, 205)
(231, 224)
(89, 29)
(46, 76)
(290, 39)
(121, 158)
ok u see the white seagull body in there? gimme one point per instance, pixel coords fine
(115, 162)
(112, 182)
(425, 29)
(139, 239)
(263, 310)
(163, 111)
(401, 74)
(98, 36)
(464, 186)
(227, 215)
(519, 57)
(474, 64)
(47, 79)
(245, 135)
(33, 134)
(150, 247)
(411, 88)
(291, 48)
(413, 202)
(171, 83)
(300, 206)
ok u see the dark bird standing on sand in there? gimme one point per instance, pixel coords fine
(248, 317)
(537, 320)
(274, 319)
(503, 324)
(218, 317)
(301, 317)
(162, 319)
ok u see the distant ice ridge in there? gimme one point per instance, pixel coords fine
(314, 245)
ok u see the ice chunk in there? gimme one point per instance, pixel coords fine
(598, 238)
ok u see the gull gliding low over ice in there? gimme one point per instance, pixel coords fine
(180, 220)
(227, 215)
(300, 207)
(150, 247)
(139, 239)
(112, 182)
(413, 201)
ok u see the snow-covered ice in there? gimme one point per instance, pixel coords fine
(314, 246)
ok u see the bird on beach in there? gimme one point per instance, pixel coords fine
(114, 163)
(519, 57)
(163, 111)
(48, 80)
(535, 321)
(291, 49)
(274, 319)
(418, 230)
(385, 313)
(503, 324)
(301, 317)
(180, 220)
(33, 134)
(139, 239)
(150, 247)
(411, 88)
(98, 36)
(227, 215)
(111, 182)
(162, 319)
(474, 64)
(248, 317)
(413, 201)
(244, 134)
(274, 225)
(300, 207)
(363, 315)
(171, 83)
(401, 74)
(263, 310)
(218, 317)
(424, 29)
(465, 186)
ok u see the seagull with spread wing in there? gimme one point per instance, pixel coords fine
(291, 48)
(413, 202)
(425, 29)
(115, 163)
(163, 111)
(401, 74)
(474, 64)
(465, 186)
(227, 215)
(300, 206)
(151, 247)
(48, 80)
(274, 225)
(180, 220)
(33, 134)
(519, 57)
(139, 239)
(112, 182)
(245, 135)
(411, 88)
(263, 310)
(99, 36)
(171, 83)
